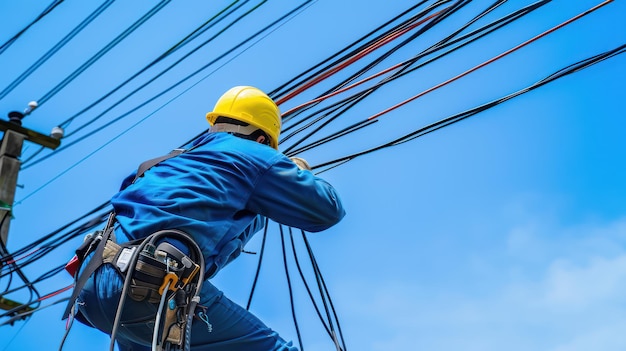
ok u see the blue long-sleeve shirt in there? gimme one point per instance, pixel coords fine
(220, 191)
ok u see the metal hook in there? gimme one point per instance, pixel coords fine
(203, 317)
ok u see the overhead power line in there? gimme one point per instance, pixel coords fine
(463, 115)
(453, 41)
(215, 19)
(48, 9)
(248, 41)
(344, 134)
(330, 113)
(55, 48)
(507, 52)
(221, 15)
(47, 96)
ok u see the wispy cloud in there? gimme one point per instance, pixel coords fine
(569, 297)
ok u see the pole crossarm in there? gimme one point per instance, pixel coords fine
(31, 135)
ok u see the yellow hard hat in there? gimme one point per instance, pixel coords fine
(251, 105)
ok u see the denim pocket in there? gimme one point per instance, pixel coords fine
(138, 330)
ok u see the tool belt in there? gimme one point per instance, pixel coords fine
(151, 267)
(155, 267)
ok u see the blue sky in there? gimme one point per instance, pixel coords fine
(505, 231)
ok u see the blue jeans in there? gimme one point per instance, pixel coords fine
(233, 327)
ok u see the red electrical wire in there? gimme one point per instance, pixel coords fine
(355, 58)
(337, 92)
(490, 60)
(54, 293)
(15, 260)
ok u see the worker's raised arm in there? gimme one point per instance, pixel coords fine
(296, 197)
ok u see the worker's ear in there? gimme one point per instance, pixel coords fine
(260, 139)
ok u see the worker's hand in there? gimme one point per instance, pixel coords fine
(301, 163)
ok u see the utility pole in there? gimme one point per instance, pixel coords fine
(10, 152)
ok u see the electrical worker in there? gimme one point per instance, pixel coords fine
(219, 192)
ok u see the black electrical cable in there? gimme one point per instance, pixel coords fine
(329, 330)
(10, 279)
(488, 10)
(54, 49)
(31, 288)
(437, 19)
(214, 20)
(89, 224)
(471, 37)
(325, 296)
(221, 56)
(46, 249)
(259, 263)
(45, 276)
(53, 243)
(181, 43)
(23, 315)
(49, 274)
(463, 115)
(584, 64)
(352, 128)
(332, 112)
(407, 63)
(468, 38)
(344, 105)
(153, 11)
(350, 54)
(306, 285)
(298, 8)
(478, 33)
(46, 11)
(165, 70)
(292, 84)
(16, 267)
(289, 287)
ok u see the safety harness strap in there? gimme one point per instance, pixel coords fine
(99, 240)
(146, 165)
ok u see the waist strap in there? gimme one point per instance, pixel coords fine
(154, 265)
